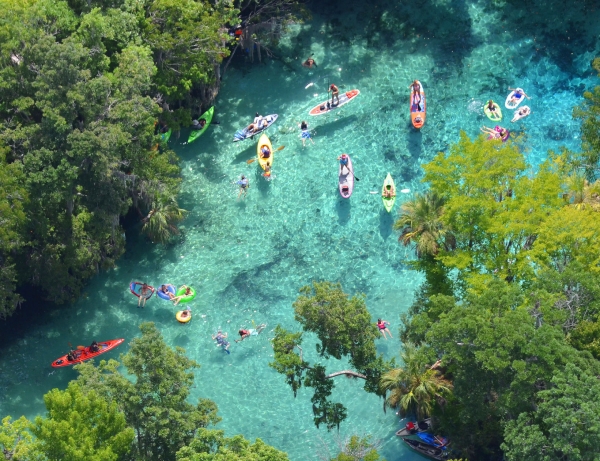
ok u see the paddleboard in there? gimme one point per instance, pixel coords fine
(208, 115)
(495, 116)
(240, 135)
(388, 202)
(514, 104)
(345, 98)
(418, 108)
(346, 179)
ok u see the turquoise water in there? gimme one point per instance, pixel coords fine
(248, 258)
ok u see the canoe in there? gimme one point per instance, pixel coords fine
(346, 180)
(262, 142)
(208, 116)
(388, 202)
(497, 116)
(513, 105)
(240, 135)
(427, 450)
(345, 98)
(85, 354)
(418, 109)
(166, 136)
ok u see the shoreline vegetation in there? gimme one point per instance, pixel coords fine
(87, 92)
(501, 346)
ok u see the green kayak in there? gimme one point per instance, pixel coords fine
(166, 136)
(208, 115)
(388, 193)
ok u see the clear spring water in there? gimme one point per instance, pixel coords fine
(247, 258)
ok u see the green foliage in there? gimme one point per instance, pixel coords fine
(16, 440)
(211, 445)
(415, 387)
(344, 329)
(586, 337)
(155, 403)
(358, 448)
(589, 114)
(159, 225)
(565, 425)
(420, 223)
(81, 425)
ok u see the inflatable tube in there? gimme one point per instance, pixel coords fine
(134, 287)
(181, 319)
(170, 289)
(186, 299)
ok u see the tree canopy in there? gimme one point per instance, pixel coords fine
(344, 329)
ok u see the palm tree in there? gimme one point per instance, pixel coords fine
(581, 194)
(415, 388)
(160, 224)
(420, 222)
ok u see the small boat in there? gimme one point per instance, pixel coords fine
(495, 115)
(346, 179)
(518, 100)
(264, 141)
(326, 106)
(412, 428)
(427, 450)
(418, 108)
(208, 115)
(166, 136)
(388, 202)
(240, 135)
(81, 355)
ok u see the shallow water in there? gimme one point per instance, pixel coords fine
(248, 258)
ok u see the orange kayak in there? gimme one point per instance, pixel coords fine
(418, 108)
(81, 355)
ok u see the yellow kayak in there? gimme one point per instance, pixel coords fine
(264, 142)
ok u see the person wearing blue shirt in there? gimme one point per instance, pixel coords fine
(244, 185)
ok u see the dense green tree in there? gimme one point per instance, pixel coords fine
(211, 445)
(415, 387)
(155, 403)
(16, 440)
(589, 114)
(81, 425)
(344, 329)
(565, 424)
(357, 448)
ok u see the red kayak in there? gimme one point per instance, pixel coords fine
(81, 355)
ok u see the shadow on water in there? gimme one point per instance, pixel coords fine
(415, 144)
(386, 221)
(343, 208)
